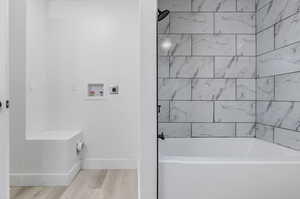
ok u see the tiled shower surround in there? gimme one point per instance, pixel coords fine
(278, 70)
(230, 68)
(207, 68)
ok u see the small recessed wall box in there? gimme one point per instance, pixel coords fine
(95, 91)
(114, 90)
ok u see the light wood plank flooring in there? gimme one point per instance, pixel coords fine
(89, 184)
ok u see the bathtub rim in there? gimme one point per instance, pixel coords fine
(292, 156)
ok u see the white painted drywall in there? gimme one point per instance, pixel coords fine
(96, 42)
(73, 43)
(36, 66)
(112, 127)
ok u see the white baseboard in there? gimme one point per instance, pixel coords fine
(44, 179)
(64, 179)
(109, 164)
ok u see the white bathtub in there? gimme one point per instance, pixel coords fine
(237, 168)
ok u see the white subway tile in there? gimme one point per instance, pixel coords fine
(174, 89)
(234, 111)
(245, 129)
(192, 67)
(213, 89)
(279, 114)
(213, 5)
(163, 66)
(174, 45)
(287, 31)
(213, 130)
(175, 130)
(164, 115)
(235, 23)
(287, 138)
(246, 5)
(209, 45)
(265, 88)
(192, 23)
(191, 111)
(287, 87)
(175, 5)
(284, 60)
(265, 41)
(246, 89)
(246, 45)
(235, 67)
(265, 133)
(275, 11)
(262, 3)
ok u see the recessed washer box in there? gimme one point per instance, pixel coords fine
(95, 91)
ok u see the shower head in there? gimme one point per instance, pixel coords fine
(162, 14)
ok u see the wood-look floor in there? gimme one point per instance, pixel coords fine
(89, 184)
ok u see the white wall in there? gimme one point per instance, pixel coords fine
(95, 41)
(36, 68)
(74, 43)
(111, 126)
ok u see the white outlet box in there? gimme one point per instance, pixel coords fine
(114, 90)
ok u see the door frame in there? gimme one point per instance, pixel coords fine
(147, 169)
(4, 64)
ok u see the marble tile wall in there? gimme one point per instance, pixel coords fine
(207, 68)
(278, 72)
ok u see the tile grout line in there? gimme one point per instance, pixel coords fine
(236, 93)
(191, 125)
(273, 134)
(274, 37)
(235, 126)
(204, 78)
(264, 5)
(256, 72)
(169, 104)
(214, 67)
(192, 41)
(277, 127)
(213, 12)
(279, 48)
(279, 21)
(280, 74)
(208, 56)
(236, 48)
(274, 87)
(228, 100)
(205, 122)
(214, 112)
(203, 33)
(191, 81)
(214, 23)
